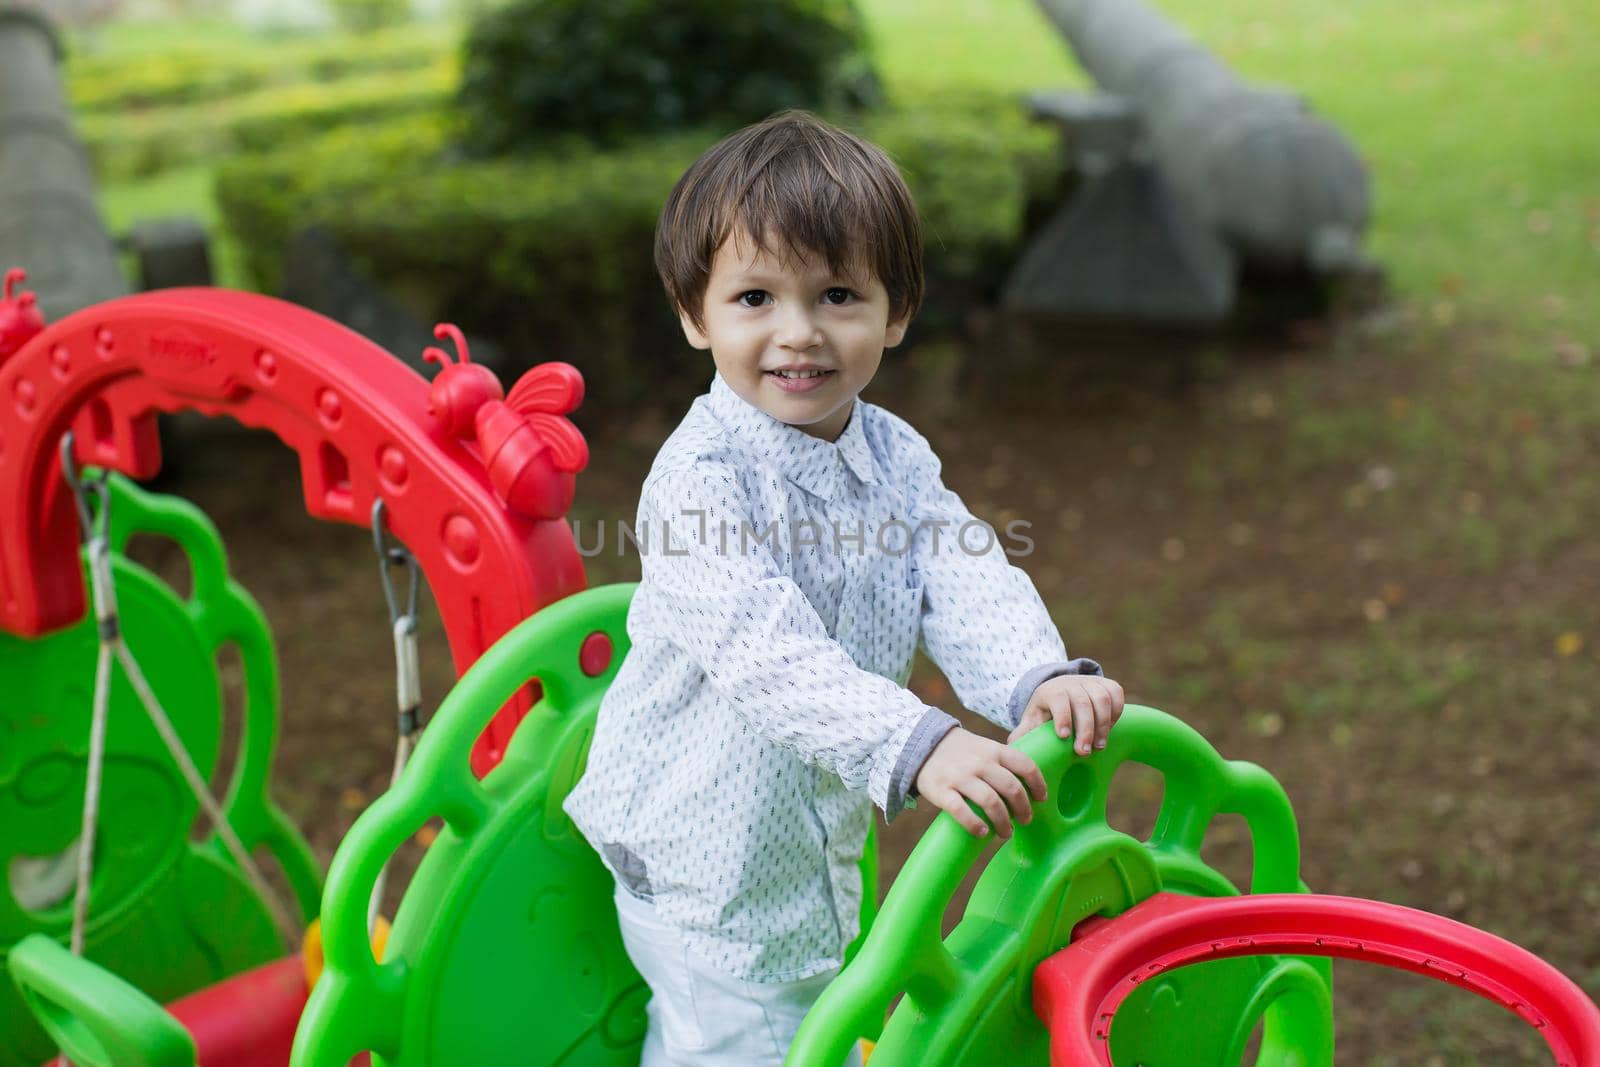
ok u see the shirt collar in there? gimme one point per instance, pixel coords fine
(811, 463)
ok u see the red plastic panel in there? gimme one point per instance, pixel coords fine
(1077, 991)
(357, 417)
(248, 1020)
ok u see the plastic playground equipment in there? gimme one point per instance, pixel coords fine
(505, 948)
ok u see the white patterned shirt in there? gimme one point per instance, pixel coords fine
(762, 710)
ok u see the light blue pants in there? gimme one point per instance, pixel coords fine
(700, 1017)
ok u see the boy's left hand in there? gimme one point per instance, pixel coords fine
(1084, 706)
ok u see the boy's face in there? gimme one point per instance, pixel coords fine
(793, 339)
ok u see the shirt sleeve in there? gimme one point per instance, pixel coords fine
(983, 622)
(713, 588)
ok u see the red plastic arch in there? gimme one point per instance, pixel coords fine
(357, 417)
(1077, 991)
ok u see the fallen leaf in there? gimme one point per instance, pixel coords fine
(1569, 643)
(1572, 353)
(1269, 725)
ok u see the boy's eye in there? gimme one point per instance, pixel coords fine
(753, 298)
(837, 295)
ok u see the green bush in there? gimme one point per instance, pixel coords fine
(265, 197)
(552, 254)
(537, 69)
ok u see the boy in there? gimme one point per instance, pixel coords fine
(797, 544)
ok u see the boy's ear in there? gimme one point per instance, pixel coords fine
(695, 335)
(895, 332)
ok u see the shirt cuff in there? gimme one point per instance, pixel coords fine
(1030, 681)
(928, 732)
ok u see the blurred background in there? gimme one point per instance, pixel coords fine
(1287, 347)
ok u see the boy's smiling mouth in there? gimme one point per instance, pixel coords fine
(798, 379)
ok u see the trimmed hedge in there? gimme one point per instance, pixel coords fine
(189, 74)
(552, 255)
(138, 144)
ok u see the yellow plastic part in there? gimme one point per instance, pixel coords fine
(311, 948)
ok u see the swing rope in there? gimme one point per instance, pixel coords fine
(408, 674)
(95, 523)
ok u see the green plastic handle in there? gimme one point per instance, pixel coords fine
(1028, 898)
(96, 1018)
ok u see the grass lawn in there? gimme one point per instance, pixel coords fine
(1362, 556)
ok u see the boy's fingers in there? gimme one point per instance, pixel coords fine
(1018, 763)
(1061, 712)
(1030, 719)
(1104, 714)
(1082, 723)
(951, 801)
(1012, 791)
(982, 794)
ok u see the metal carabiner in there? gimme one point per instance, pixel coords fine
(94, 522)
(408, 672)
(388, 558)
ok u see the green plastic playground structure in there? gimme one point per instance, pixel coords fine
(170, 914)
(506, 947)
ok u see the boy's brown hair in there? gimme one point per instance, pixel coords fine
(799, 186)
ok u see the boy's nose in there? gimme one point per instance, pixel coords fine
(798, 331)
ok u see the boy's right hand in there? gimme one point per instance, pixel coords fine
(996, 777)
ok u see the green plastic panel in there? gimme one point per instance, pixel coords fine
(506, 947)
(968, 998)
(168, 914)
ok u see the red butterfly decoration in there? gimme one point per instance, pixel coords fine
(531, 450)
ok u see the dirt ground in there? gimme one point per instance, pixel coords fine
(1344, 555)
